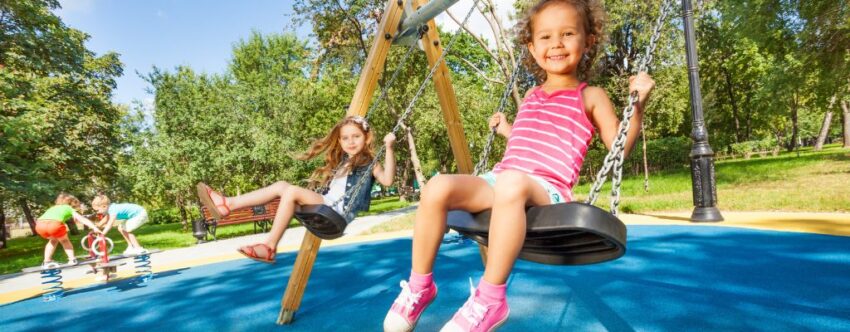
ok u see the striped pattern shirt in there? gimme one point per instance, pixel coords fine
(549, 138)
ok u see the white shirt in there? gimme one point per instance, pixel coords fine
(336, 190)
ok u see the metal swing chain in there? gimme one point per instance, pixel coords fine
(615, 156)
(407, 111)
(482, 160)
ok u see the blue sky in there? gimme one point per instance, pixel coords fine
(168, 33)
(196, 33)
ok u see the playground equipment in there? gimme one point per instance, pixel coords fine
(573, 233)
(98, 247)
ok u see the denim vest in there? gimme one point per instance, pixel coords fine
(363, 197)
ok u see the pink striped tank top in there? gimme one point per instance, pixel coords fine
(549, 138)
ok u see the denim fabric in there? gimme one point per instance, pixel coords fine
(363, 197)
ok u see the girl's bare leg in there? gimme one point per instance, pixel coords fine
(49, 249)
(259, 196)
(129, 237)
(291, 196)
(124, 234)
(69, 248)
(443, 193)
(514, 191)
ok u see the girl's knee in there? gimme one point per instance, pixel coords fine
(437, 189)
(280, 187)
(512, 186)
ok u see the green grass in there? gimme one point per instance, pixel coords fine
(385, 204)
(816, 181)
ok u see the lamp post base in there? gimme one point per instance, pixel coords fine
(706, 214)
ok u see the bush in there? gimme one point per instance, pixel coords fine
(748, 148)
(164, 216)
(662, 154)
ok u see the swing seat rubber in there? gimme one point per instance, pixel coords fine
(558, 234)
(321, 220)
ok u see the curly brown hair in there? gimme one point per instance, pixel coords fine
(67, 199)
(594, 16)
(334, 155)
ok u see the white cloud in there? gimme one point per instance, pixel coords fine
(477, 23)
(75, 7)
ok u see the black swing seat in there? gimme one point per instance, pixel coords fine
(321, 220)
(559, 234)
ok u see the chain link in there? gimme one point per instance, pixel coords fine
(482, 161)
(615, 156)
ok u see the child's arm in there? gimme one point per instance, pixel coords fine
(385, 175)
(500, 122)
(605, 119)
(110, 220)
(85, 221)
(103, 220)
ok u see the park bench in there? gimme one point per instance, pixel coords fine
(261, 215)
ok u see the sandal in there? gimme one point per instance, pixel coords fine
(205, 194)
(249, 252)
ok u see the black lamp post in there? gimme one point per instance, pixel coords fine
(702, 157)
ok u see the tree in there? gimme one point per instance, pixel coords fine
(56, 118)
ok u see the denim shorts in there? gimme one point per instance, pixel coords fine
(554, 195)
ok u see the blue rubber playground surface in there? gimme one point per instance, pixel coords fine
(673, 278)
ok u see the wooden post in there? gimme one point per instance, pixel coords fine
(445, 92)
(372, 70)
(374, 66)
(298, 280)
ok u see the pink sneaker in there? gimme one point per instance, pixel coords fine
(475, 316)
(407, 308)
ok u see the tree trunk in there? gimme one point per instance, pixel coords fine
(414, 158)
(824, 131)
(404, 193)
(73, 228)
(184, 222)
(845, 107)
(3, 235)
(749, 117)
(794, 125)
(731, 92)
(27, 214)
(411, 145)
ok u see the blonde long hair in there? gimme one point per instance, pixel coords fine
(594, 17)
(334, 155)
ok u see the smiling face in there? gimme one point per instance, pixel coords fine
(558, 39)
(352, 139)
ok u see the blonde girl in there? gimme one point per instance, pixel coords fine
(128, 216)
